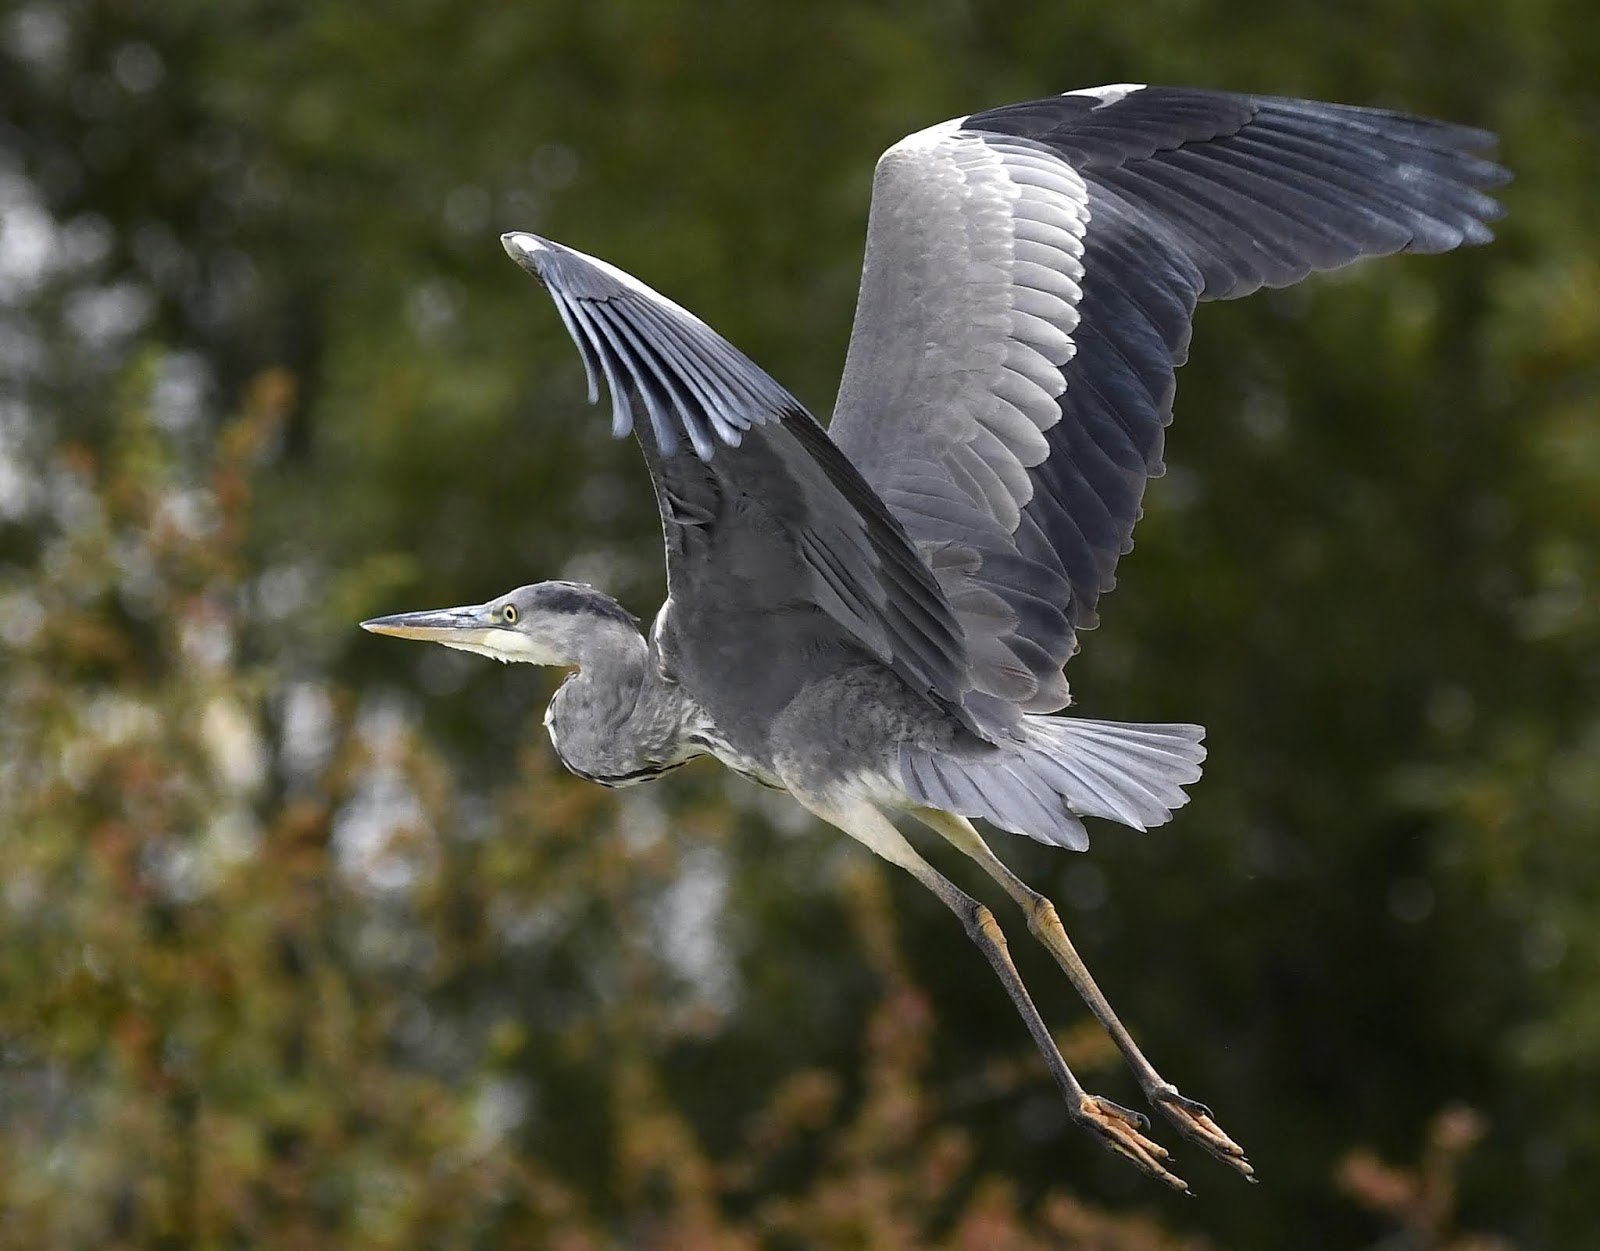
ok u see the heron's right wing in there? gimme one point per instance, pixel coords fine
(777, 550)
(1030, 276)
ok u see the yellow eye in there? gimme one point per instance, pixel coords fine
(508, 614)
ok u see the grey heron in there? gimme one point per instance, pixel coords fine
(875, 616)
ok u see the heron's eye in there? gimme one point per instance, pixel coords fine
(508, 614)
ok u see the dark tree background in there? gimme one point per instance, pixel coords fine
(304, 940)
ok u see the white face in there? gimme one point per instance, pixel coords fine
(547, 623)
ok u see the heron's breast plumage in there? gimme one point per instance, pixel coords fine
(621, 728)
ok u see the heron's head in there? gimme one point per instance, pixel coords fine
(548, 623)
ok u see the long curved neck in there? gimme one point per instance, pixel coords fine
(615, 720)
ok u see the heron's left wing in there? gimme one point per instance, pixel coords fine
(776, 546)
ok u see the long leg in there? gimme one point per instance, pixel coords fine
(1192, 1119)
(1116, 1126)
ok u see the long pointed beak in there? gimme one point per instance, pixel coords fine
(436, 625)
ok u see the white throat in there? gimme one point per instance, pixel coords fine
(508, 647)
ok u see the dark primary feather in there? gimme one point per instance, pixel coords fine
(1187, 195)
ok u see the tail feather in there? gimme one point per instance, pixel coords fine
(1092, 792)
(1025, 777)
(1065, 768)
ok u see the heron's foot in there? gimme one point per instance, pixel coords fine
(1193, 1120)
(1122, 1131)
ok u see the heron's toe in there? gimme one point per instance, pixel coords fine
(1194, 1121)
(1121, 1130)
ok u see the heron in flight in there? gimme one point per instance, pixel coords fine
(874, 616)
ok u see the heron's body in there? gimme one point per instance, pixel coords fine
(620, 719)
(875, 617)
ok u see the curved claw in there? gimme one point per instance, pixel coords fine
(1193, 1120)
(1138, 1120)
(1120, 1129)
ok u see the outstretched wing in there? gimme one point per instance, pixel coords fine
(1030, 277)
(781, 560)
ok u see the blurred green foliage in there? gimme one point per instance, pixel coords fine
(305, 941)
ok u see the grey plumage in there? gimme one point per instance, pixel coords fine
(876, 617)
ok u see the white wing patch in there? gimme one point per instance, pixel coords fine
(1109, 94)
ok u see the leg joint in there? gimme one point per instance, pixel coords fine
(981, 924)
(1042, 916)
